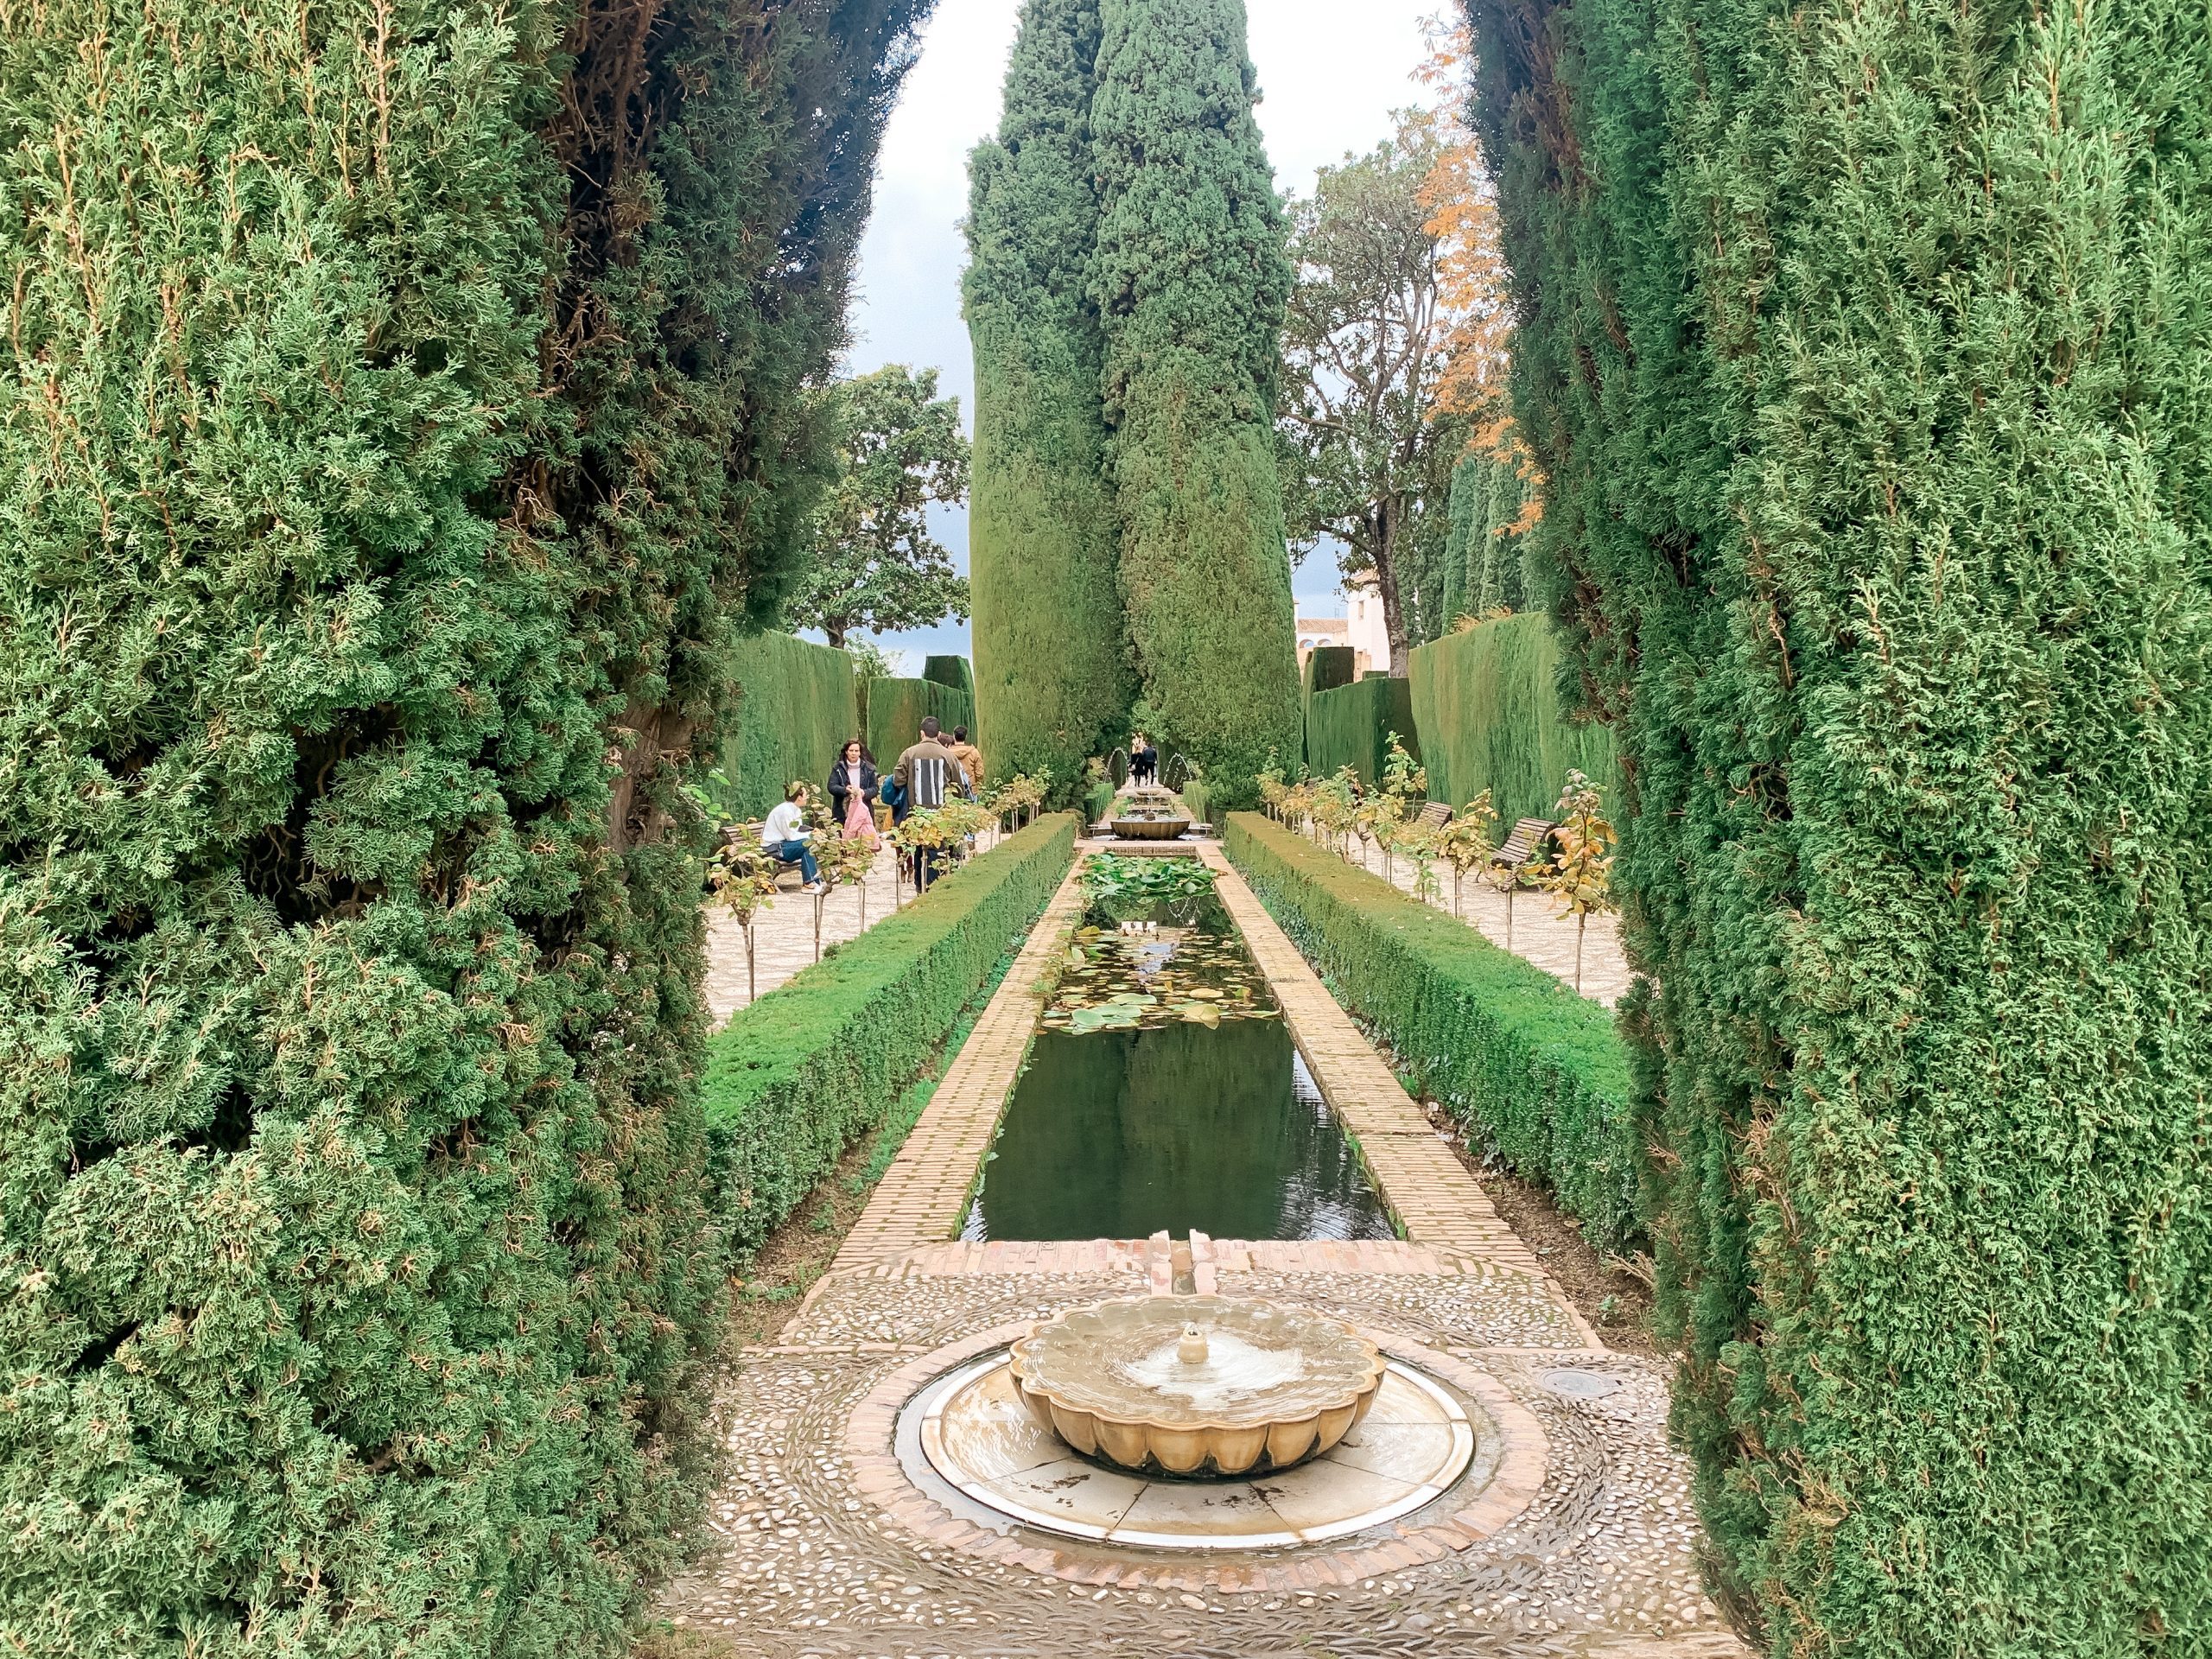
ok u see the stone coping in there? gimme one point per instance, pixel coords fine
(870, 1453)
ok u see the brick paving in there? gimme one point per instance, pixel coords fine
(1541, 934)
(782, 933)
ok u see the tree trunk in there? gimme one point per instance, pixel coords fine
(835, 634)
(1386, 578)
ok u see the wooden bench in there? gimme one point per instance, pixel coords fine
(1435, 815)
(1525, 842)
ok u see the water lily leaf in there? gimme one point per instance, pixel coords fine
(1202, 1014)
(1205, 992)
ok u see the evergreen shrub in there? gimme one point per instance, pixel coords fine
(795, 1077)
(954, 672)
(1486, 703)
(373, 510)
(1051, 647)
(1520, 1061)
(1326, 666)
(1863, 350)
(1191, 282)
(796, 707)
(896, 709)
(1351, 725)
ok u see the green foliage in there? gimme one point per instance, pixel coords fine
(795, 708)
(1326, 666)
(896, 709)
(795, 1077)
(1482, 563)
(372, 484)
(1486, 704)
(1366, 454)
(1191, 283)
(1352, 726)
(1522, 1063)
(1051, 651)
(1126, 886)
(954, 672)
(1863, 353)
(870, 561)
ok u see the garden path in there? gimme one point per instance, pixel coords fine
(829, 1539)
(1541, 935)
(783, 934)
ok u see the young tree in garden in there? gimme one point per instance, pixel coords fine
(1579, 874)
(870, 561)
(1053, 679)
(1191, 283)
(1366, 453)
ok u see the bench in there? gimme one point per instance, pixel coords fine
(1525, 841)
(1435, 815)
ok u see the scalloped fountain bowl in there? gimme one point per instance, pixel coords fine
(1197, 1385)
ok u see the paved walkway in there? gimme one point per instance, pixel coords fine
(1571, 1539)
(782, 933)
(1539, 934)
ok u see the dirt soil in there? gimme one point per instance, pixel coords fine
(799, 1252)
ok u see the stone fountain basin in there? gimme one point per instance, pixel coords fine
(1278, 1385)
(1150, 829)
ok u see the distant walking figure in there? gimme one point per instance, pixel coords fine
(852, 784)
(927, 776)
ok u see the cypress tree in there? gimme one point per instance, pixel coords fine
(1192, 280)
(1861, 350)
(1053, 681)
(405, 395)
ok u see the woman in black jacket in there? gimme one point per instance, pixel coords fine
(852, 790)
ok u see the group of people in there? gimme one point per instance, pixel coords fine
(929, 772)
(1144, 759)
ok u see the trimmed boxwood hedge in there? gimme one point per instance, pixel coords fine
(796, 707)
(1502, 1045)
(895, 709)
(1487, 703)
(1351, 725)
(795, 1077)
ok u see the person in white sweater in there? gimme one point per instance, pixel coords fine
(785, 835)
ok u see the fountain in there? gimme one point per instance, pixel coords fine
(1150, 814)
(1197, 1385)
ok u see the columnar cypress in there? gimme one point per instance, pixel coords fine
(1862, 348)
(1052, 676)
(1192, 280)
(354, 1271)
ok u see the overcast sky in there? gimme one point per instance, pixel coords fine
(1328, 83)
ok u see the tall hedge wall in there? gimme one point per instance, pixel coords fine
(1522, 1062)
(953, 671)
(1326, 666)
(1483, 569)
(1053, 678)
(371, 479)
(1351, 725)
(1486, 702)
(1191, 283)
(1862, 349)
(797, 705)
(797, 1076)
(895, 709)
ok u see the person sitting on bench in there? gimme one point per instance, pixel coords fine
(785, 835)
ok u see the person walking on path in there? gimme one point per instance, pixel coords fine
(852, 784)
(785, 835)
(926, 777)
(969, 757)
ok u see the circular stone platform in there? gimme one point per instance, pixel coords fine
(1415, 1444)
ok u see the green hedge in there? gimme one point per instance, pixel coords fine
(796, 707)
(1351, 725)
(1486, 703)
(795, 1077)
(954, 672)
(894, 709)
(1326, 666)
(1513, 1054)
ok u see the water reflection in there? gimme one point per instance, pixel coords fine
(1119, 1134)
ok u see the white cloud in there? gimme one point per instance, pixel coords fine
(1330, 75)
